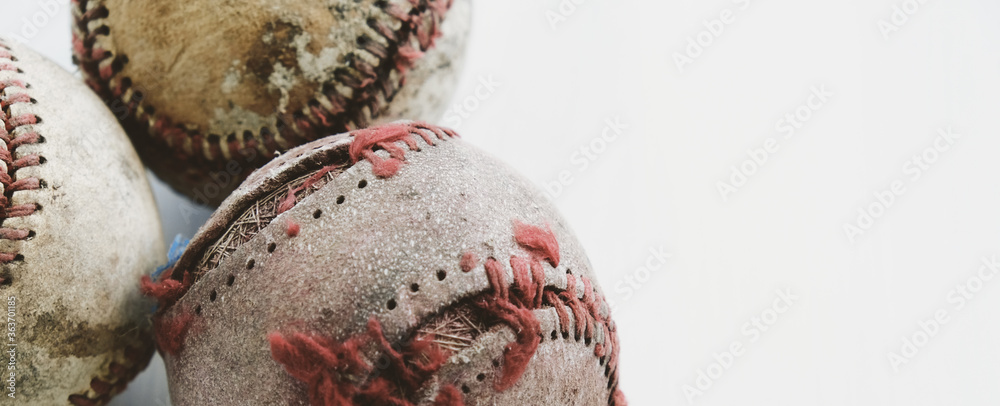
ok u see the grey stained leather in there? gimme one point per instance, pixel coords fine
(344, 267)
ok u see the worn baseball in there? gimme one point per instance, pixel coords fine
(209, 90)
(391, 265)
(79, 226)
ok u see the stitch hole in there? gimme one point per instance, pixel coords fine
(362, 184)
(41, 139)
(481, 377)
(102, 30)
(230, 280)
(19, 258)
(197, 310)
(565, 335)
(554, 335)
(213, 295)
(7, 281)
(414, 287)
(271, 247)
(317, 213)
(42, 184)
(42, 160)
(127, 83)
(340, 199)
(101, 12)
(465, 389)
(441, 274)
(31, 235)
(118, 63)
(392, 304)
(250, 263)
(496, 363)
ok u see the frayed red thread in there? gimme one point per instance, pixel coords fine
(334, 371)
(322, 364)
(292, 228)
(385, 137)
(513, 306)
(513, 313)
(167, 291)
(172, 331)
(289, 201)
(468, 262)
(540, 242)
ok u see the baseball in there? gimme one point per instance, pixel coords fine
(390, 265)
(210, 90)
(79, 226)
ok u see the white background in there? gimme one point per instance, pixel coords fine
(656, 185)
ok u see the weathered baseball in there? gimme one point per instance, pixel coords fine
(392, 265)
(209, 90)
(79, 225)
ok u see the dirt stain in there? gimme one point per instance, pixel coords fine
(63, 337)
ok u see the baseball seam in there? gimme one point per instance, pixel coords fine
(328, 112)
(15, 91)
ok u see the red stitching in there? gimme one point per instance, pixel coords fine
(9, 165)
(514, 309)
(171, 331)
(316, 119)
(385, 137)
(326, 366)
(330, 369)
(135, 358)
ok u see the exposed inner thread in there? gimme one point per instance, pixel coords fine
(256, 217)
